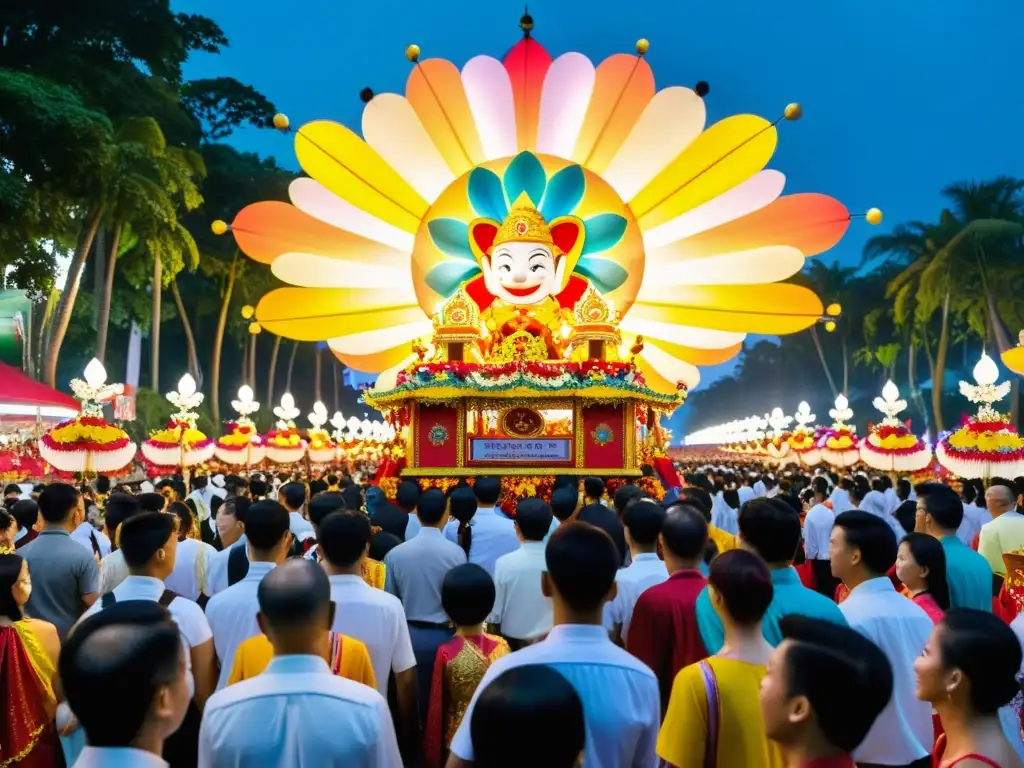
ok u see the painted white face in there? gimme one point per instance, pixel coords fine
(522, 273)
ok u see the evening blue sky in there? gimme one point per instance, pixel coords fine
(900, 97)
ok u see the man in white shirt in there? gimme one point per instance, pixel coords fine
(522, 612)
(1005, 533)
(130, 648)
(494, 534)
(319, 719)
(370, 615)
(817, 530)
(745, 492)
(863, 549)
(232, 613)
(619, 693)
(120, 507)
(643, 520)
(293, 497)
(230, 526)
(148, 542)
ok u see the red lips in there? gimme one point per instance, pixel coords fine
(521, 291)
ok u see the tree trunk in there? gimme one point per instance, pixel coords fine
(246, 347)
(273, 371)
(318, 366)
(106, 296)
(154, 332)
(190, 339)
(218, 341)
(846, 370)
(940, 364)
(99, 260)
(291, 367)
(67, 297)
(915, 393)
(824, 365)
(252, 360)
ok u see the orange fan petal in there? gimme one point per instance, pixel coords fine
(436, 92)
(266, 230)
(378, 361)
(623, 85)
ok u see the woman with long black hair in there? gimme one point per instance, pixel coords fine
(921, 566)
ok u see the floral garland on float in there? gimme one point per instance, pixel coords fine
(88, 443)
(180, 444)
(803, 440)
(890, 445)
(285, 444)
(838, 443)
(986, 444)
(322, 449)
(777, 445)
(242, 444)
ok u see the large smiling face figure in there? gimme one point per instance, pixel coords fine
(523, 272)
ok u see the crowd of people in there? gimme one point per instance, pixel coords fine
(747, 619)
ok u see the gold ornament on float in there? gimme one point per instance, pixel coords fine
(522, 422)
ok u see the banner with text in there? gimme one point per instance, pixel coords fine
(554, 450)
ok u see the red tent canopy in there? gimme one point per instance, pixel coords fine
(19, 390)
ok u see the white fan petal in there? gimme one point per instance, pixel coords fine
(669, 367)
(310, 196)
(686, 335)
(490, 100)
(368, 342)
(758, 265)
(311, 271)
(563, 104)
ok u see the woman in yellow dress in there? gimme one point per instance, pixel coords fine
(28, 666)
(714, 719)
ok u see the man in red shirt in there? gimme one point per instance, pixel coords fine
(663, 633)
(824, 689)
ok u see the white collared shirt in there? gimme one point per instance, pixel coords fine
(81, 534)
(415, 570)
(621, 703)
(193, 560)
(903, 732)
(192, 624)
(113, 571)
(298, 714)
(975, 518)
(377, 619)
(746, 493)
(519, 604)
(232, 617)
(300, 527)
(494, 535)
(118, 757)
(646, 570)
(817, 529)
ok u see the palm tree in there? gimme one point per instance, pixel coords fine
(829, 282)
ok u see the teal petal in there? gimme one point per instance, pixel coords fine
(451, 237)
(525, 174)
(605, 274)
(565, 190)
(604, 231)
(447, 276)
(486, 195)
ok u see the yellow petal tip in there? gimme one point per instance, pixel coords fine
(412, 53)
(281, 121)
(793, 111)
(874, 216)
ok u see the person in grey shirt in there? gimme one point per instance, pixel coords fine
(415, 571)
(65, 576)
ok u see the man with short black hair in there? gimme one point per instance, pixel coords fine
(817, 529)
(642, 519)
(149, 541)
(124, 672)
(232, 613)
(522, 612)
(26, 512)
(230, 565)
(396, 518)
(319, 508)
(665, 632)
(65, 576)
(863, 549)
(113, 570)
(370, 615)
(415, 572)
(770, 528)
(939, 513)
(293, 497)
(318, 718)
(596, 512)
(814, 674)
(619, 693)
(564, 503)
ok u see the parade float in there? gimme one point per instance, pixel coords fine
(838, 443)
(777, 446)
(890, 445)
(88, 444)
(803, 440)
(284, 443)
(986, 445)
(179, 446)
(322, 449)
(579, 243)
(242, 445)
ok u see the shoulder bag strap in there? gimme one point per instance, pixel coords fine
(107, 600)
(714, 715)
(167, 598)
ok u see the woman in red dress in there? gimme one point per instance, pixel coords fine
(921, 566)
